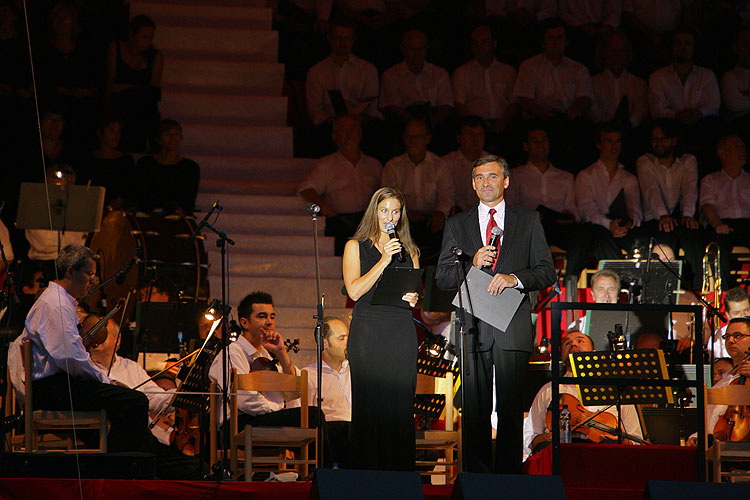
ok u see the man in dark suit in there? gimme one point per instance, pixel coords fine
(523, 262)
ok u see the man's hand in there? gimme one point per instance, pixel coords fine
(667, 223)
(617, 230)
(689, 222)
(485, 256)
(722, 228)
(272, 342)
(684, 344)
(500, 282)
(743, 369)
(436, 222)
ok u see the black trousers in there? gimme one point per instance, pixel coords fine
(510, 376)
(127, 410)
(569, 237)
(690, 240)
(739, 236)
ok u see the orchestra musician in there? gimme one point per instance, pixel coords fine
(63, 372)
(536, 433)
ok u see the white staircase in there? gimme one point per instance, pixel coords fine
(223, 83)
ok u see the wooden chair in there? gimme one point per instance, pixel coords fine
(448, 441)
(726, 451)
(253, 437)
(39, 423)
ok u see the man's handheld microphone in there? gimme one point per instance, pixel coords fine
(494, 239)
(391, 230)
(204, 222)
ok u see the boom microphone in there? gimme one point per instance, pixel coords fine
(313, 208)
(391, 230)
(124, 272)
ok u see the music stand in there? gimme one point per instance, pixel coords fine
(159, 325)
(76, 208)
(637, 364)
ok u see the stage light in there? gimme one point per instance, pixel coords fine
(213, 311)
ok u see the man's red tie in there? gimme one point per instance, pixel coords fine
(492, 223)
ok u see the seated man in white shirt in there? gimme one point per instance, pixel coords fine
(336, 389)
(735, 84)
(342, 183)
(588, 21)
(260, 339)
(736, 305)
(415, 88)
(427, 186)
(649, 24)
(669, 188)
(62, 369)
(536, 435)
(471, 139)
(611, 225)
(725, 201)
(538, 185)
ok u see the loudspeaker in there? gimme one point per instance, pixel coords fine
(669, 490)
(335, 484)
(93, 465)
(507, 487)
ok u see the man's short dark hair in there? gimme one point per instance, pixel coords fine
(684, 30)
(139, 22)
(471, 121)
(608, 128)
(737, 294)
(74, 256)
(550, 24)
(341, 23)
(745, 320)
(668, 127)
(327, 330)
(532, 126)
(484, 160)
(245, 309)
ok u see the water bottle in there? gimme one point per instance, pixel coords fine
(565, 425)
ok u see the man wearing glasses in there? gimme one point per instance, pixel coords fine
(63, 374)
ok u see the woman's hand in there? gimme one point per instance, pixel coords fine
(412, 298)
(391, 248)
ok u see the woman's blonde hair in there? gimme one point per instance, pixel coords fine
(369, 229)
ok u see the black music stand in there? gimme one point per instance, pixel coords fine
(163, 326)
(605, 365)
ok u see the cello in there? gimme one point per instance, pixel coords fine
(734, 424)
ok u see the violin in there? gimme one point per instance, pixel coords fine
(596, 426)
(261, 363)
(734, 425)
(95, 335)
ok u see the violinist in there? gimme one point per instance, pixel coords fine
(260, 339)
(62, 369)
(737, 341)
(537, 435)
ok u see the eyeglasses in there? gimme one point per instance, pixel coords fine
(735, 336)
(90, 274)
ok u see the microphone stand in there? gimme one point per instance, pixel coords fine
(110, 279)
(224, 472)
(320, 299)
(461, 320)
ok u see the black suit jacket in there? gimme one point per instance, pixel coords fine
(524, 252)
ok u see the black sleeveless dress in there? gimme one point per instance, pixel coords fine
(383, 361)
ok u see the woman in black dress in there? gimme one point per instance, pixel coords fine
(382, 341)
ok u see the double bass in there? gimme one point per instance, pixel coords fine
(734, 425)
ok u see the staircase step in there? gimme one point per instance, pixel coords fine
(224, 109)
(302, 317)
(290, 205)
(295, 292)
(250, 45)
(135, 4)
(167, 13)
(193, 74)
(236, 168)
(251, 187)
(278, 244)
(247, 140)
(288, 266)
(267, 225)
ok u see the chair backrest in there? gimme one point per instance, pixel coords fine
(273, 381)
(28, 411)
(729, 395)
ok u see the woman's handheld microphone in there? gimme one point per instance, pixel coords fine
(391, 230)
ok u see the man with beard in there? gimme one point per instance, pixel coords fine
(536, 435)
(669, 188)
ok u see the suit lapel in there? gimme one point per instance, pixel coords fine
(511, 219)
(473, 226)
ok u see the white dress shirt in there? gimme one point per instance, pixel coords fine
(667, 95)
(556, 86)
(486, 92)
(730, 197)
(595, 193)
(52, 327)
(427, 187)
(336, 392)
(579, 12)
(241, 355)
(460, 168)
(356, 79)
(131, 374)
(542, 9)
(484, 220)
(534, 424)
(553, 188)
(346, 187)
(713, 412)
(660, 16)
(735, 91)
(720, 349)
(609, 91)
(401, 88)
(43, 242)
(5, 240)
(664, 188)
